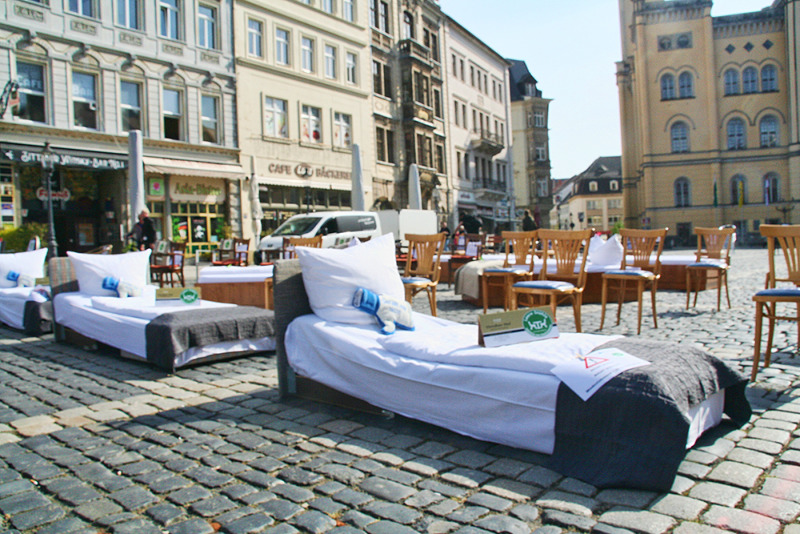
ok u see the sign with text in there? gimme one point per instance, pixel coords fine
(586, 374)
(187, 295)
(516, 326)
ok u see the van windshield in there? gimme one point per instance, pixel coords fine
(297, 226)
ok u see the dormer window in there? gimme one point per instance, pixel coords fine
(530, 89)
(614, 185)
(593, 187)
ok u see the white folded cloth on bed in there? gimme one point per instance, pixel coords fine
(442, 341)
(143, 308)
(221, 274)
(21, 293)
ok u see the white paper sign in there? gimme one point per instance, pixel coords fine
(586, 374)
(472, 249)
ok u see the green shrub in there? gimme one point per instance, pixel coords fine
(16, 239)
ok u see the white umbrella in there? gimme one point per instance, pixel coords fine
(255, 203)
(414, 191)
(136, 174)
(358, 199)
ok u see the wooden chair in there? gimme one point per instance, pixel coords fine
(641, 263)
(223, 255)
(159, 258)
(422, 265)
(466, 248)
(768, 299)
(173, 269)
(713, 259)
(289, 244)
(564, 283)
(102, 249)
(517, 264)
(236, 254)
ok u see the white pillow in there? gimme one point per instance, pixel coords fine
(90, 269)
(332, 276)
(25, 263)
(595, 242)
(609, 253)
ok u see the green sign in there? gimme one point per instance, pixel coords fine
(538, 322)
(189, 295)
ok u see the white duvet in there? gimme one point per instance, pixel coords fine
(145, 308)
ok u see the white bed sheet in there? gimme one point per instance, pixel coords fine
(502, 405)
(126, 333)
(144, 308)
(12, 304)
(224, 274)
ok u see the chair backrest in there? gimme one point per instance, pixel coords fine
(177, 255)
(424, 255)
(289, 244)
(787, 237)
(241, 248)
(642, 248)
(227, 244)
(714, 243)
(566, 247)
(519, 248)
(102, 249)
(161, 254)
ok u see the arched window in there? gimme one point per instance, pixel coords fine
(736, 135)
(593, 186)
(682, 193)
(667, 87)
(769, 78)
(686, 85)
(614, 185)
(408, 25)
(768, 128)
(750, 80)
(731, 82)
(772, 192)
(738, 190)
(679, 134)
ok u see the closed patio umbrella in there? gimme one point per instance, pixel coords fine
(358, 197)
(414, 191)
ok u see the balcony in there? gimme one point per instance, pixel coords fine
(410, 49)
(487, 142)
(416, 112)
(488, 189)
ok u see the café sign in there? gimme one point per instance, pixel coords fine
(70, 160)
(64, 194)
(305, 170)
(211, 190)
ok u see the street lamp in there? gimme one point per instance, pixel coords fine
(48, 159)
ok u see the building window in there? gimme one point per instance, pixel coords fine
(84, 100)
(169, 19)
(408, 25)
(437, 103)
(173, 114)
(310, 125)
(385, 144)
(431, 40)
(255, 39)
(307, 54)
(768, 128)
(736, 135)
(593, 187)
(769, 78)
(771, 188)
(341, 130)
(731, 82)
(210, 110)
(275, 123)
(330, 62)
(31, 92)
(381, 79)
(379, 15)
(538, 119)
(686, 85)
(682, 193)
(679, 135)
(738, 190)
(614, 203)
(281, 47)
(750, 80)
(351, 63)
(327, 6)
(130, 106)
(206, 27)
(128, 14)
(82, 7)
(421, 88)
(613, 186)
(541, 153)
(439, 163)
(667, 87)
(349, 10)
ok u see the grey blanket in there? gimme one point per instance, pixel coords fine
(632, 433)
(170, 334)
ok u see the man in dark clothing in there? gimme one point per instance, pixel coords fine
(148, 239)
(528, 224)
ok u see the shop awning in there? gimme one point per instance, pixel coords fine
(298, 182)
(182, 167)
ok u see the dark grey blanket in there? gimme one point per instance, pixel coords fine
(171, 334)
(632, 433)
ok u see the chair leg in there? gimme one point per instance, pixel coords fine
(639, 292)
(513, 299)
(432, 299)
(603, 301)
(719, 289)
(770, 332)
(725, 278)
(653, 291)
(688, 286)
(757, 343)
(485, 291)
(577, 300)
(621, 290)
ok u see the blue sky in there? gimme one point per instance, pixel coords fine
(584, 114)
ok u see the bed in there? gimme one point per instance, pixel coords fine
(23, 302)
(508, 395)
(167, 334)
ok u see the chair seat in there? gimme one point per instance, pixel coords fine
(517, 270)
(708, 265)
(545, 284)
(415, 280)
(778, 293)
(631, 273)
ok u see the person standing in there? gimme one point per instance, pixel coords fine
(148, 239)
(528, 223)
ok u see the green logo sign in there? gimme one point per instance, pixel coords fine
(189, 296)
(538, 323)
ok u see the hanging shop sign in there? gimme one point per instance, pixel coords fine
(68, 160)
(210, 190)
(307, 171)
(155, 187)
(64, 194)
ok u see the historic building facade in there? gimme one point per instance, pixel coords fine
(80, 76)
(592, 199)
(530, 113)
(709, 116)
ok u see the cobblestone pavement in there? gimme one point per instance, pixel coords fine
(92, 443)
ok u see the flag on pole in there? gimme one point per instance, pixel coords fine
(740, 184)
(716, 198)
(766, 191)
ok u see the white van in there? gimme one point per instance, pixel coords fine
(335, 227)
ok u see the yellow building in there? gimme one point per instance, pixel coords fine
(709, 120)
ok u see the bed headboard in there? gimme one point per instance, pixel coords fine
(62, 276)
(291, 300)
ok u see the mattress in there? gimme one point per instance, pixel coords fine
(438, 374)
(127, 332)
(217, 274)
(12, 304)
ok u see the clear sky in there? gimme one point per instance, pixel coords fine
(580, 77)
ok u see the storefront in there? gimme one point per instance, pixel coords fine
(88, 190)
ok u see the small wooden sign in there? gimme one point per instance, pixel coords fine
(516, 326)
(43, 281)
(187, 295)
